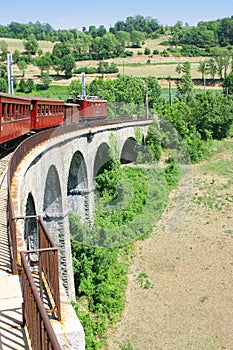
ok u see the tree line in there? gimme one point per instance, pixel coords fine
(214, 39)
(129, 33)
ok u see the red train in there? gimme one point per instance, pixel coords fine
(20, 115)
(90, 107)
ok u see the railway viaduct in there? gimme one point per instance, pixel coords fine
(57, 176)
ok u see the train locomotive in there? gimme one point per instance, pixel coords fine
(21, 115)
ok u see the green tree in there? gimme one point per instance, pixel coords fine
(75, 88)
(228, 84)
(30, 85)
(212, 115)
(31, 44)
(23, 85)
(67, 64)
(3, 70)
(22, 65)
(45, 80)
(107, 47)
(16, 56)
(153, 142)
(185, 87)
(40, 52)
(3, 85)
(81, 46)
(225, 31)
(122, 38)
(179, 69)
(44, 62)
(211, 67)
(203, 69)
(4, 50)
(137, 38)
(56, 64)
(61, 49)
(154, 91)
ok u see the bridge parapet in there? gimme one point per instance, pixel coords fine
(46, 174)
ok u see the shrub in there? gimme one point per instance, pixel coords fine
(147, 51)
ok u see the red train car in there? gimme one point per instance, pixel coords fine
(46, 113)
(91, 107)
(71, 115)
(14, 116)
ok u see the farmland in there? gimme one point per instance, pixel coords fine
(139, 65)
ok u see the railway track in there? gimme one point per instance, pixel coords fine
(5, 263)
(12, 335)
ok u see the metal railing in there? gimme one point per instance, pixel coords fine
(35, 318)
(45, 261)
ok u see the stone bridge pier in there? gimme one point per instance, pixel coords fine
(57, 177)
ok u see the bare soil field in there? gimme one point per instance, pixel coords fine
(180, 281)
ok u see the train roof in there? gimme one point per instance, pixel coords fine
(14, 97)
(45, 99)
(29, 98)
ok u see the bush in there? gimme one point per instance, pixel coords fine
(87, 70)
(3, 85)
(147, 51)
(129, 53)
(165, 53)
(192, 51)
(156, 52)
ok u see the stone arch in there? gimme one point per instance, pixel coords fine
(56, 223)
(52, 195)
(102, 158)
(52, 207)
(129, 153)
(31, 238)
(77, 186)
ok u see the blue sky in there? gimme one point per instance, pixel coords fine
(78, 13)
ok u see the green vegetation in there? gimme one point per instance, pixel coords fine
(144, 281)
(129, 200)
(100, 278)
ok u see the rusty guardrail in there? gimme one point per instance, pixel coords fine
(45, 258)
(35, 317)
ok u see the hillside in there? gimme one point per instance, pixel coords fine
(179, 293)
(138, 65)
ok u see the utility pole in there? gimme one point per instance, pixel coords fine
(83, 85)
(170, 92)
(10, 74)
(147, 102)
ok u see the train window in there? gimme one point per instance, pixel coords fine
(10, 112)
(5, 111)
(14, 111)
(42, 110)
(21, 112)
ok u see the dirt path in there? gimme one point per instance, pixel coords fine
(180, 290)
